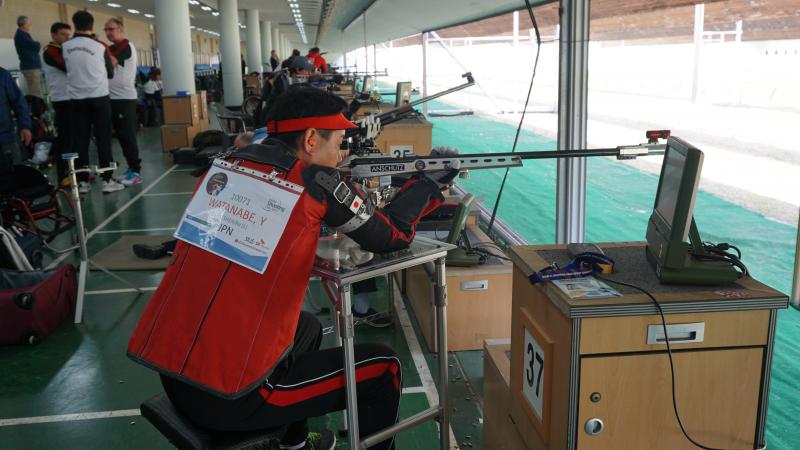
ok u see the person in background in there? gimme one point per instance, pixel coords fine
(122, 89)
(152, 94)
(287, 63)
(28, 51)
(89, 67)
(274, 60)
(316, 58)
(11, 99)
(55, 72)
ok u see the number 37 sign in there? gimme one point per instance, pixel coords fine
(533, 382)
(536, 358)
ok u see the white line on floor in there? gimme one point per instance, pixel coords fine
(164, 194)
(108, 220)
(119, 291)
(413, 390)
(184, 170)
(69, 417)
(135, 230)
(428, 386)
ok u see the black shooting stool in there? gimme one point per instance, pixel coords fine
(186, 435)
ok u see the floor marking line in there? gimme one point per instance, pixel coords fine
(184, 170)
(136, 230)
(165, 194)
(70, 417)
(428, 385)
(414, 390)
(120, 291)
(115, 214)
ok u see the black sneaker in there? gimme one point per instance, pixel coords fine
(324, 440)
(373, 318)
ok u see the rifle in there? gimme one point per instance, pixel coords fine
(372, 165)
(393, 115)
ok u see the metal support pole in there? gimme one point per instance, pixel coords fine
(346, 325)
(515, 32)
(425, 71)
(80, 230)
(572, 118)
(440, 300)
(699, 17)
(795, 299)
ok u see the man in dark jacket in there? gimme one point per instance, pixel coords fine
(11, 99)
(28, 51)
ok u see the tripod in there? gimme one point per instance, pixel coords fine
(81, 233)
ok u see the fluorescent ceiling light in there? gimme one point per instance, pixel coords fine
(205, 8)
(114, 5)
(133, 11)
(194, 2)
(215, 13)
(149, 16)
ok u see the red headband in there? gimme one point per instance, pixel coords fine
(335, 122)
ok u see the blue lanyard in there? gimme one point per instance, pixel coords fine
(583, 265)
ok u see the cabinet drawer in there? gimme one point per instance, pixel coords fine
(696, 330)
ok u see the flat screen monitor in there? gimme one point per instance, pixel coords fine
(366, 87)
(677, 189)
(403, 93)
(671, 221)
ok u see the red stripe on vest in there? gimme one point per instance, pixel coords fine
(283, 398)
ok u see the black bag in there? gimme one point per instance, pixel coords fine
(209, 138)
(33, 304)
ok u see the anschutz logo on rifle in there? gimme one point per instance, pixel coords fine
(387, 168)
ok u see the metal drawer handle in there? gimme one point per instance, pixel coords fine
(593, 426)
(678, 333)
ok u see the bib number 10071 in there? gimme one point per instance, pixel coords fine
(533, 378)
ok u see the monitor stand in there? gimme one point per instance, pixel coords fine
(694, 270)
(463, 257)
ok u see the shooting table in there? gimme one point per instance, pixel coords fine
(421, 251)
(594, 374)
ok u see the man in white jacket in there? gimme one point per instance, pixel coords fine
(123, 99)
(89, 67)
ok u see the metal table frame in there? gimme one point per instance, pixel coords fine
(432, 251)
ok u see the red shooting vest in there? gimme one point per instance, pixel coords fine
(221, 327)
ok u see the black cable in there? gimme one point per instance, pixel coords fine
(522, 118)
(669, 353)
(488, 253)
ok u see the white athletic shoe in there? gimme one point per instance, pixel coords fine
(112, 185)
(84, 187)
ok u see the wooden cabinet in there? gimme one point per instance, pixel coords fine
(594, 374)
(478, 301)
(717, 395)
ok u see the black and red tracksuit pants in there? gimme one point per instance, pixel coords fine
(309, 382)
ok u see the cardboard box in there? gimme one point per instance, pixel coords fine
(499, 432)
(177, 136)
(413, 135)
(478, 301)
(182, 110)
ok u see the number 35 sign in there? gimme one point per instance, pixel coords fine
(536, 358)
